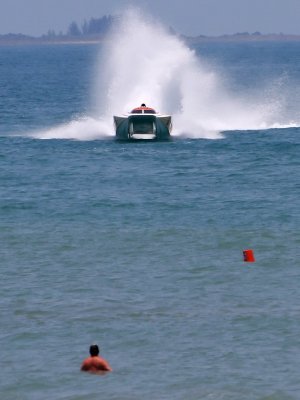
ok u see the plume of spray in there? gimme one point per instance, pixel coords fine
(143, 62)
(81, 128)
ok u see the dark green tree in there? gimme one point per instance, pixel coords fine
(74, 29)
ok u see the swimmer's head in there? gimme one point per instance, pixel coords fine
(94, 350)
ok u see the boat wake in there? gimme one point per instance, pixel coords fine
(84, 128)
(144, 62)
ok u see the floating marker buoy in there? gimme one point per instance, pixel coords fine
(248, 255)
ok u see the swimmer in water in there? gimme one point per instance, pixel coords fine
(95, 364)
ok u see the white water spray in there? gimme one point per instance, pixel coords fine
(85, 128)
(146, 63)
(143, 63)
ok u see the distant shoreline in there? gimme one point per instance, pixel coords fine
(20, 39)
(245, 37)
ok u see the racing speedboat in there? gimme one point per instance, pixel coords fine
(143, 123)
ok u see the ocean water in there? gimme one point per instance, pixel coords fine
(138, 246)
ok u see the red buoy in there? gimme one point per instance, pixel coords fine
(248, 255)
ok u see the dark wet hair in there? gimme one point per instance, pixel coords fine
(143, 105)
(94, 350)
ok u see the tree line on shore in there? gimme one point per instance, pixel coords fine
(97, 28)
(93, 28)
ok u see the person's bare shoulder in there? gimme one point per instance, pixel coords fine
(103, 364)
(85, 366)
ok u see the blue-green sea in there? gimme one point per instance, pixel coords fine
(139, 246)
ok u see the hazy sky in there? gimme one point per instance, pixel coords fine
(190, 17)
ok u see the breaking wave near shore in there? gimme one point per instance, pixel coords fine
(142, 62)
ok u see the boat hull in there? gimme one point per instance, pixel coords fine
(143, 127)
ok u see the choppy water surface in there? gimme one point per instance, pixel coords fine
(138, 246)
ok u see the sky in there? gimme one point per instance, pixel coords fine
(187, 17)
